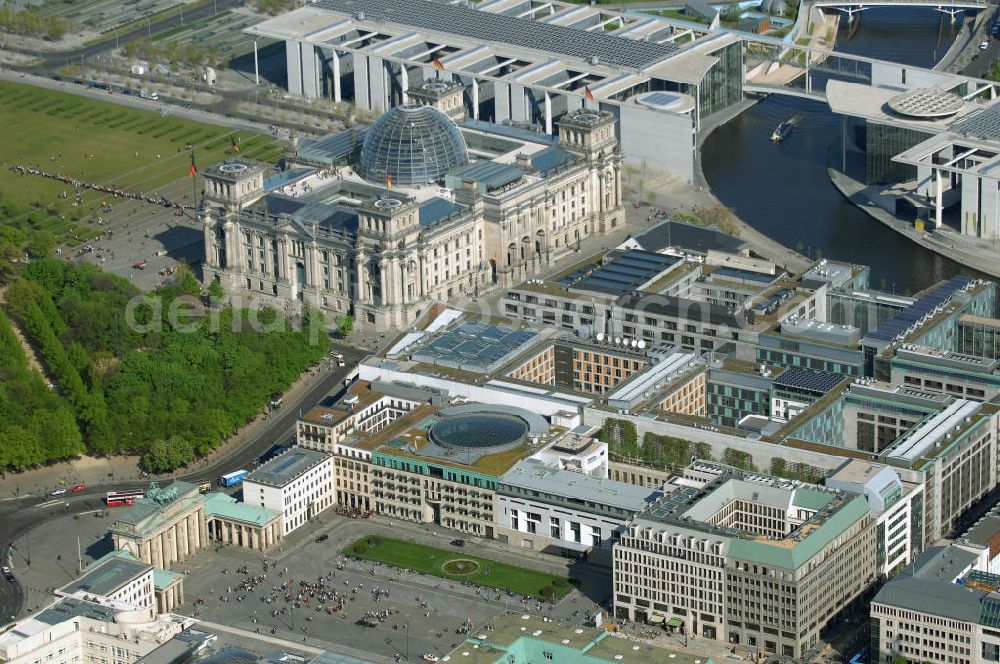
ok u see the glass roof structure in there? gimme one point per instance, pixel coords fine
(474, 346)
(625, 273)
(484, 432)
(412, 145)
(481, 26)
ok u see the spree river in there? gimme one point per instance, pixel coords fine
(783, 190)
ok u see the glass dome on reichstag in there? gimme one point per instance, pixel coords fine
(412, 145)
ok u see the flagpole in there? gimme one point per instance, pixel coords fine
(194, 190)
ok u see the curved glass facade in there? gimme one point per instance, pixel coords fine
(412, 145)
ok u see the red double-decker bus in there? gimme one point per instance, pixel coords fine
(115, 498)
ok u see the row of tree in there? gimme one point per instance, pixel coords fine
(32, 22)
(157, 374)
(174, 52)
(36, 424)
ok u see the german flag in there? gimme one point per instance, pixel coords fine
(586, 91)
(234, 144)
(437, 64)
(192, 169)
(388, 182)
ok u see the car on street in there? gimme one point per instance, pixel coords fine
(7, 574)
(431, 658)
(78, 488)
(984, 45)
(458, 542)
(58, 492)
(322, 538)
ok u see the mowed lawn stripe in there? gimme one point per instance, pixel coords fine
(57, 131)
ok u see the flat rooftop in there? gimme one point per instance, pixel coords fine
(947, 358)
(525, 33)
(108, 578)
(593, 645)
(533, 475)
(690, 510)
(286, 467)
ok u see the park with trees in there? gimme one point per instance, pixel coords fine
(157, 374)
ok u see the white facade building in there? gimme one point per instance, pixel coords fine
(896, 505)
(298, 483)
(74, 631)
(539, 506)
(116, 579)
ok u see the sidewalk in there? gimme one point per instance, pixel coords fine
(85, 470)
(945, 241)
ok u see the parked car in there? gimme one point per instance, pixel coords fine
(58, 492)
(984, 45)
(458, 542)
(322, 538)
(78, 488)
(7, 574)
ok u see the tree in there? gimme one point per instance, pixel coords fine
(41, 244)
(9, 255)
(344, 325)
(167, 455)
(720, 216)
(215, 293)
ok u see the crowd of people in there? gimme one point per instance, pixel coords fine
(117, 192)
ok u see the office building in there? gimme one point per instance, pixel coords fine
(297, 483)
(97, 631)
(942, 608)
(750, 560)
(569, 513)
(522, 65)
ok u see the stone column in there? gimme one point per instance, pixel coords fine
(145, 553)
(157, 552)
(359, 278)
(202, 529)
(182, 540)
(256, 538)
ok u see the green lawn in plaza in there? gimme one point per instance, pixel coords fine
(458, 566)
(133, 149)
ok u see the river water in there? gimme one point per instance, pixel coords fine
(783, 190)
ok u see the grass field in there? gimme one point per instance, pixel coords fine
(132, 149)
(483, 572)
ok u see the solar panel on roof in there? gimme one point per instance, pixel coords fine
(902, 321)
(497, 28)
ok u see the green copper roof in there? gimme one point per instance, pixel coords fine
(163, 578)
(811, 499)
(226, 507)
(793, 557)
